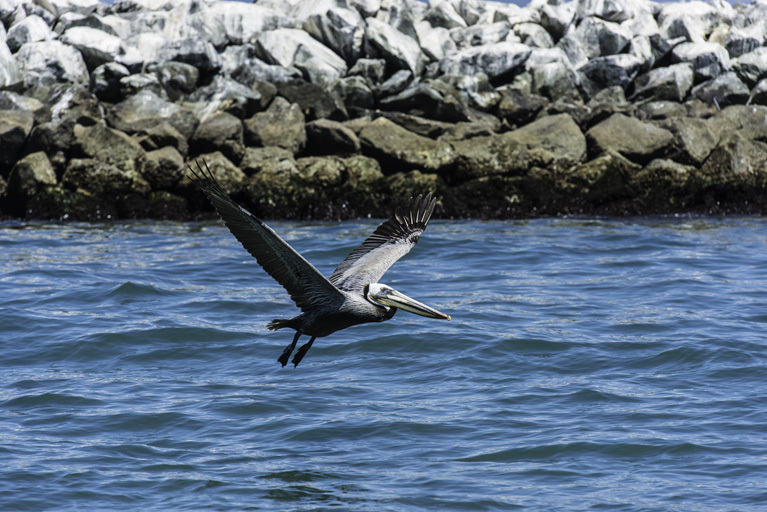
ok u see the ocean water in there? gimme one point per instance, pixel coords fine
(591, 364)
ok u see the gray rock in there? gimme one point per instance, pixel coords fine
(495, 60)
(693, 139)
(395, 84)
(241, 63)
(281, 125)
(9, 71)
(295, 48)
(641, 48)
(315, 101)
(146, 109)
(76, 103)
(192, 50)
(420, 125)
(102, 178)
(656, 110)
(487, 156)
(13, 101)
(133, 84)
(241, 22)
(15, 127)
(751, 67)
(401, 15)
(29, 30)
(111, 24)
(600, 38)
(708, 60)
(480, 35)
(604, 72)
(398, 149)
(533, 35)
(176, 78)
(30, 174)
(435, 42)
(759, 93)
(574, 49)
(372, 70)
(669, 83)
(632, 138)
(724, 90)
(326, 137)
(433, 99)
(219, 132)
(162, 135)
(518, 109)
(98, 47)
(397, 49)
(229, 176)
(278, 161)
(555, 139)
(691, 20)
(48, 62)
(444, 14)
(108, 146)
(742, 41)
(53, 138)
(556, 19)
(736, 160)
(355, 93)
(604, 179)
(613, 10)
(105, 81)
(164, 168)
(341, 30)
(227, 95)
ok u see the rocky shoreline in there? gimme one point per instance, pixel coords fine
(335, 109)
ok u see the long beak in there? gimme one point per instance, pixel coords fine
(399, 300)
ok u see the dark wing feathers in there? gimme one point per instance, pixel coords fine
(305, 284)
(389, 242)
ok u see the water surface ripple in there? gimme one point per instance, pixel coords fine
(590, 364)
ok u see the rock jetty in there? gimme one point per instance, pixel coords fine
(334, 109)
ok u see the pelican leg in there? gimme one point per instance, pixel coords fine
(302, 351)
(286, 353)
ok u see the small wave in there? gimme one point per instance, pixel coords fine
(50, 399)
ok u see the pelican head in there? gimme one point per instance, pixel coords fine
(387, 296)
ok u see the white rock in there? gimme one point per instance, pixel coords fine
(435, 42)
(513, 14)
(740, 41)
(556, 19)
(751, 67)
(479, 35)
(49, 62)
(669, 83)
(9, 71)
(574, 49)
(692, 20)
(341, 30)
(295, 48)
(401, 14)
(600, 38)
(240, 22)
(552, 73)
(641, 48)
(643, 25)
(388, 43)
(533, 35)
(97, 47)
(613, 10)
(366, 8)
(494, 59)
(30, 29)
(81, 6)
(442, 13)
(708, 60)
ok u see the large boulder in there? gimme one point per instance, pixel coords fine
(164, 168)
(219, 132)
(397, 149)
(315, 101)
(326, 137)
(612, 70)
(342, 30)
(29, 30)
(146, 109)
(9, 71)
(434, 99)
(162, 135)
(708, 60)
(29, 175)
(241, 63)
(487, 156)
(295, 48)
(636, 140)
(751, 67)
(555, 141)
(400, 51)
(497, 61)
(15, 127)
(669, 83)
(599, 38)
(102, 179)
(281, 125)
(109, 146)
(48, 62)
(694, 139)
(240, 22)
(602, 180)
(97, 48)
(724, 90)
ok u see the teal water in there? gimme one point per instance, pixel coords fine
(590, 365)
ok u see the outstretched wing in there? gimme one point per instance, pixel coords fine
(389, 242)
(305, 284)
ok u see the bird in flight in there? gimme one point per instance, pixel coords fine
(352, 295)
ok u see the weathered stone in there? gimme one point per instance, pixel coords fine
(227, 95)
(632, 138)
(140, 82)
(556, 138)
(557, 18)
(759, 93)
(664, 186)
(341, 30)
(444, 14)
(51, 137)
(315, 102)
(552, 74)
(326, 137)
(177, 78)
(97, 47)
(487, 156)
(47, 62)
(691, 20)
(160, 136)
(146, 109)
(15, 127)
(662, 109)
(105, 81)
(29, 30)
(670, 83)
(395, 84)
(295, 48)
(109, 146)
(751, 67)
(518, 109)
(355, 93)
(372, 70)
(724, 90)
(281, 125)
(160, 204)
(240, 22)
(497, 60)
(433, 99)
(612, 10)
(533, 35)
(420, 125)
(398, 149)
(29, 175)
(164, 168)
(13, 101)
(708, 60)
(229, 176)
(397, 49)
(61, 203)
(604, 72)
(9, 71)
(600, 38)
(736, 160)
(412, 183)
(742, 41)
(257, 159)
(480, 35)
(241, 63)
(603, 179)
(693, 139)
(102, 179)
(435, 41)
(220, 132)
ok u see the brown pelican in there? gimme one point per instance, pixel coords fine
(353, 294)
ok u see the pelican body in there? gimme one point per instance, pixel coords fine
(352, 295)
